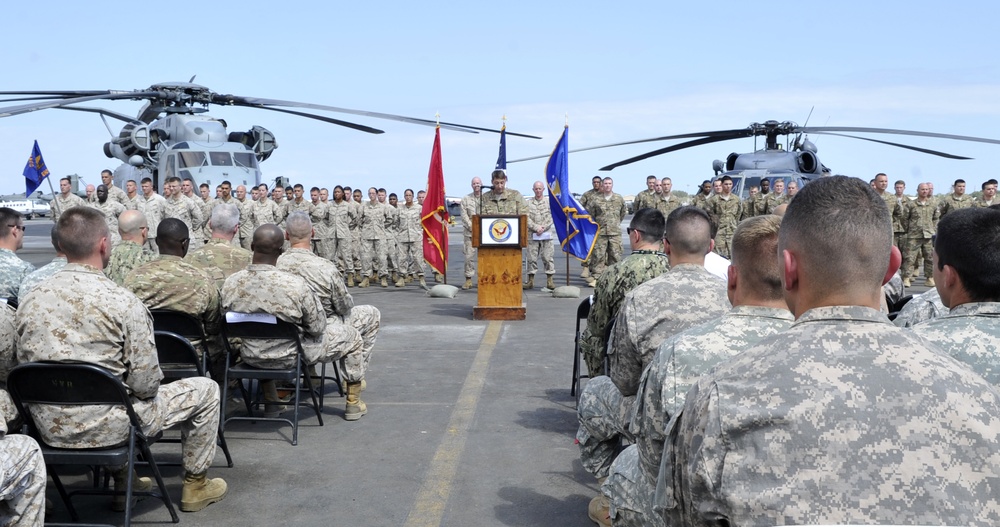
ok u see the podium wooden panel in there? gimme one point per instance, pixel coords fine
(499, 290)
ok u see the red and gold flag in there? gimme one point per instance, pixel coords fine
(434, 214)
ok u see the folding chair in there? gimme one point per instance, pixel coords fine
(179, 360)
(81, 384)
(259, 326)
(184, 325)
(582, 312)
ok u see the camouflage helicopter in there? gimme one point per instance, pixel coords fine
(173, 135)
(794, 161)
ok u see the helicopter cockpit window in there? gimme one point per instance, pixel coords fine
(171, 167)
(192, 159)
(221, 159)
(245, 159)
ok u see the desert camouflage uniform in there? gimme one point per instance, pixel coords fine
(838, 420)
(645, 199)
(355, 213)
(374, 218)
(168, 282)
(608, 213)
(391, 245)
(43, 273)
(294, 303)
(667, 204)
(617, 280)
(154, 208)
(727, 210)
(684, 297)
(921, 220)
(186, 210)
(246, 222)
(8, 347)
(263, 212)
(22, 479)
(540, 215)
(951, 202)
(12, 273)
(300, 206)
(470, 208)
(219, 259)
(925, 306)
(117, 195)
(103, 324)
(321, 229)
(971, 334)
(64, 203)
(677, 365)
(340, 244)
(133, 202)
(410, 236)
(111, 211)
(125, 256)
(345, 321)
(773, 201)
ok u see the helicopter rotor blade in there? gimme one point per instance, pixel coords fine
(825, 129)
(108, 95)
(671, 148)
(724, 134)
(908, 147)
(102, 111)
(54, 94)
(330, 120)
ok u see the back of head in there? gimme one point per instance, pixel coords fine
(968, 240)
(755, 256)
(267, 243)
(650, 223)
(225, 217)
(299, 226)
(841, 231)
(172, 236)
(8, 216)
(689, 231)
(130, 223)
(80, 230)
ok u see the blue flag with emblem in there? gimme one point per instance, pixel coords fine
(502, 157)
(576, 230)
(35, 171)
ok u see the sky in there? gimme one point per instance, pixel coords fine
(614, 72)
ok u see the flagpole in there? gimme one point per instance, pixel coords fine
(54, 200)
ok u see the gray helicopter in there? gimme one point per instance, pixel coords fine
(173, 135)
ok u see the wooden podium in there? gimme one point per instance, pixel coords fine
(499, 239)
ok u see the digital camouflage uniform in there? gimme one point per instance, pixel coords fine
(125, 256)
(540, 215)
(608, 213)
(685, 296)
(185, 209)
(925, 306)
(59, 204)
(971, 334)
(105, 325)
(12, 272)
(773, 201)
(753, 206)
(356, 234)
(470, 208)
(204, 232)
(43, 273)
(321, 229)
(295, 303)
(154, 209)
(951, 202)
(246, 222)
(667, 204)
(219, 259)
(728, 211)
(340, 246)
(921, 219)
(617, 280)
(675, 367)
(8, 347)
(841, 419)
(22, 479)
(111, 210)
(343, 319)
(645, 199)
(409, 237)
(168, 282)
(132, 203)
(374, 218)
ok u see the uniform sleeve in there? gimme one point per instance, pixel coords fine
(197, 221)
(142, 367)
(626, 365)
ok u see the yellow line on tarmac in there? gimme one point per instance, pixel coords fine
(428, 508)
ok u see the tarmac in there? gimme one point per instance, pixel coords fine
(469, 423)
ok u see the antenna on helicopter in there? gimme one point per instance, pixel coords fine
(192, 78)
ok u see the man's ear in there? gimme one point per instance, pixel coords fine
(790, 272)
(895, 260)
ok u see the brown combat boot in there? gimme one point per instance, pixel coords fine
(355, 406)
(200, 492)
(530, 284)
(549, 282)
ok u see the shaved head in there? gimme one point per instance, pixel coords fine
(298, 226)
(267, 243)
(689, 231)
(131, 222)
(81, 230)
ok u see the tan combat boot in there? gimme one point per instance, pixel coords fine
(929, 282)
(467, 284)
(355, 406)
(549, 282)
(200, 492)
(531, 283)
(364, 283)
(350, 279)
(395, 277)
(138, 485)
(400, 282)
(273, 406)
(384, 283)
(585, 273)
(906, 282)
(423, 283)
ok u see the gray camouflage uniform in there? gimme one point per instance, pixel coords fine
(343, 318)
(105, 325)
(677, 365)
(125, 256)
(470, 208)
(12, 272)
(8, 348)
(22, 479)
(540, 215)
(841, 419)
(971, 334)
(925, 306)
(43, 273)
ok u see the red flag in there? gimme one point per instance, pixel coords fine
(434, 214)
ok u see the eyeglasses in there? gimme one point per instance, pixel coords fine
(629, 230)
(17, 227)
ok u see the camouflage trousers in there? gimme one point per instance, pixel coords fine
(592, 346)
(917, 250)
(392, 254)
(604, 414)
(193, 404)
(630, 492)
(723, 243)
(899, 240)
(356, 250)
(339, 251)
(374, 252)
(349, 340)
(607, 251)
(469, 252)
(411, 258)
(22, 487)
(544, 249)
(7, 409)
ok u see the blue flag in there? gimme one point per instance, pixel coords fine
(577, 231)
(502, 158)
(35, 171)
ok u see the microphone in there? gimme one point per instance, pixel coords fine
(486, 186)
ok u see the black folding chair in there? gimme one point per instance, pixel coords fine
(179, 360)
(582, 312)
(81, 384)
(184, 325)
(258, 326)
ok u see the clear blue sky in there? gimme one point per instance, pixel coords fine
(620, 72)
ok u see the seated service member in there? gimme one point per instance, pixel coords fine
(22, 479)
(105, 325)
(843, 417)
